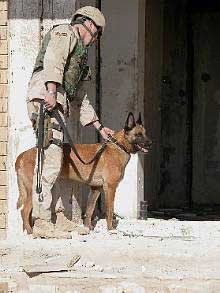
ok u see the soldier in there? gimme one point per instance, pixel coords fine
(59, 67)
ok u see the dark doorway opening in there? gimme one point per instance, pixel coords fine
(189, 138)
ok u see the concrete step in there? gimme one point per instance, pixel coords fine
(92, 285)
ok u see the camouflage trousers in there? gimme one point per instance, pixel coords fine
(52, 162)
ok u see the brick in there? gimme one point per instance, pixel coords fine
(3, 192)
(3, 17)
(3, 178)
(3, 47)
(3, 61)
(3, 32)
(3, 105)
(4, 76)
(3, 134)
(3, 206)
(3, 119)
(3, 148)
(3, 90)
(2, 222)
(3, 163)
(3, 5)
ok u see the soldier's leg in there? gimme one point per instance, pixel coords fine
(52, 161)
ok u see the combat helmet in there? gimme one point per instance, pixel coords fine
(92, 13)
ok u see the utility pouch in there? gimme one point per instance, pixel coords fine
(56, 139)
(47, 131)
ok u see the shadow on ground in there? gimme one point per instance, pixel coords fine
(187, 214)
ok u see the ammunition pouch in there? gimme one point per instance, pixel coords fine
(48, 131)
(54, 140)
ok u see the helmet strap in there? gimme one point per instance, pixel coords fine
(93, 35)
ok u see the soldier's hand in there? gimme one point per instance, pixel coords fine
(50, 100)
(105, 132)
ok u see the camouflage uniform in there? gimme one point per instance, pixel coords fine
(60, 60)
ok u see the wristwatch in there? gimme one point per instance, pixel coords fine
(100, 127)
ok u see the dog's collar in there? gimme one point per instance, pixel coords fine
(114, 140)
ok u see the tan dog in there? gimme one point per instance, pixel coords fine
(105, 173)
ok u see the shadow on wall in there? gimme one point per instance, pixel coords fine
(41, 9)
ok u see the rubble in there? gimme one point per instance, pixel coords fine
(141, 255)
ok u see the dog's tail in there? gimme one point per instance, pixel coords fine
(22, 190)
(24, 168)
(19, 203)
(22, 181)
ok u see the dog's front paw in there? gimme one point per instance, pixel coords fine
(111, 227)
(89, 225)
(29, 230)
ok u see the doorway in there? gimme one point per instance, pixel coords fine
(206, 108)
(188, 109)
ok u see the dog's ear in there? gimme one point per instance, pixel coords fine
(130, 122)
(139, 121)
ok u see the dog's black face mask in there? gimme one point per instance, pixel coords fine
(136, 134)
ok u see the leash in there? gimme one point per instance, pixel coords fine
(114, 140)
(56, 115)
(40, 148)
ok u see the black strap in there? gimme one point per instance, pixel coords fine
(56, 126)
(114, 140)
(57, 116)
(40, 148)
(100, 127)
(81, 21)
(56, 141)
(40, 152)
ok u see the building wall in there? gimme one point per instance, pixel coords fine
(30, 22)
(122, 86)
(3, 114)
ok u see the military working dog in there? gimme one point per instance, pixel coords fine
(103, 174)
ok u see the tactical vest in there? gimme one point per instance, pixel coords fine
(75, 66)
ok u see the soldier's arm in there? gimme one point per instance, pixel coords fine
(87, 112)
(51, 96)
(59, 47)
(88, 116)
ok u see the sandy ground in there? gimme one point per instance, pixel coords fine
(142, 256)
